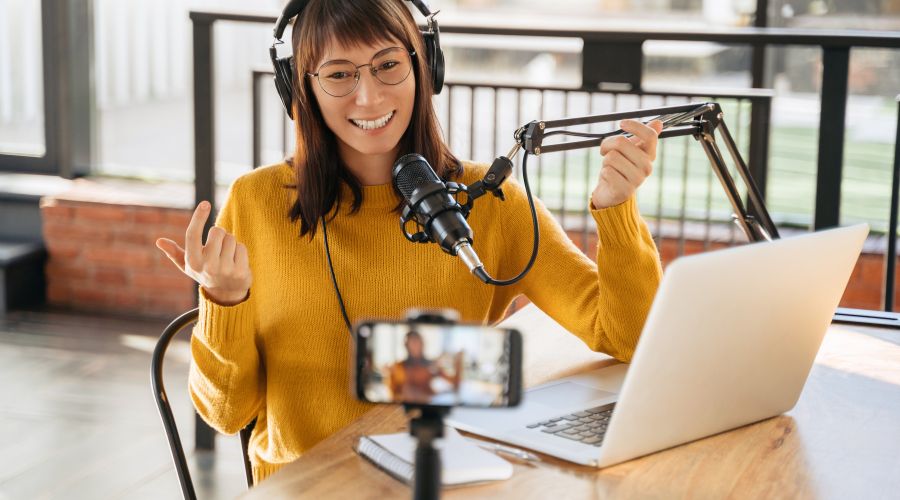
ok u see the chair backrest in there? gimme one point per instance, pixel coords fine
(165, 410)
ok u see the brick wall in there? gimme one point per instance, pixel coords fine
(102, 257)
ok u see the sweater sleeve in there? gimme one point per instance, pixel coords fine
(225, 380)
(604, 304)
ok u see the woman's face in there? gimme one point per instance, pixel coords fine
(358, 119)
(414, 346)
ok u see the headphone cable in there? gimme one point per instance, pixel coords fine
(337, 290)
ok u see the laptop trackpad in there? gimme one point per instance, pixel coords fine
(566, 394)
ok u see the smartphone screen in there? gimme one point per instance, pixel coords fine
(438, 365)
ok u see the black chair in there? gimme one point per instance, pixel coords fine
(168, 418)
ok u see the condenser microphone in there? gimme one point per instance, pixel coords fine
(435, 209)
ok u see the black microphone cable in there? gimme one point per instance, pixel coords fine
(482, 274)
(432, 205)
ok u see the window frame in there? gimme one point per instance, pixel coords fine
(69, 115)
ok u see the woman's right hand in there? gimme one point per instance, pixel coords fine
(221, 267)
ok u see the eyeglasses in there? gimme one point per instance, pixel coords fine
(390, 66)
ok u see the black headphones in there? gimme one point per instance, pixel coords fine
(284, 66)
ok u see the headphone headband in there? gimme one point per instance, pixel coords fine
(291, 10)
(284, 66)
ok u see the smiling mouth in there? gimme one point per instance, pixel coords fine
(374, 124)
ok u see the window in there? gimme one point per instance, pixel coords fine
(21, 79)
(143, 83)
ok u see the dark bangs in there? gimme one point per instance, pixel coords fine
(350, 24)
(316, 164)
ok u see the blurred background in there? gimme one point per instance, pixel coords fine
(141, 54)
(104, 147)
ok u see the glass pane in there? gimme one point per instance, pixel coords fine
(516, 60)
(870, 132)
(836, 14)
(144, 86)
(794, 136)
(240, 49)
(21, 78)
(634, 12)
(869, 135)
(695, 66)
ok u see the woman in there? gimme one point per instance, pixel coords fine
(410, 380)
(271, 343)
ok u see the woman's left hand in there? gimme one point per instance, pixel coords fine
(627, 162)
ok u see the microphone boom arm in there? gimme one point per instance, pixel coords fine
(698, 120)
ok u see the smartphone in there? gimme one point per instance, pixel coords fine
(437, 364)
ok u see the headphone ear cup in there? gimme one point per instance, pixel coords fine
(435, 58)
(284, 83)
(437, 70)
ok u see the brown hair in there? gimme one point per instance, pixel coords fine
(316, 163)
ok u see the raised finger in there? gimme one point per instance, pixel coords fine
(174, 252)
(646, 134)
(193, 237)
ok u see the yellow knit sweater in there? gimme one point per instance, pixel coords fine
(282, 356)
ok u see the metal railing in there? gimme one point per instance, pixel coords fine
(601, 73)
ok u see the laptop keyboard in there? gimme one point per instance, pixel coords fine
(588, 426)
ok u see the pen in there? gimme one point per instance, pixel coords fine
(510, 450)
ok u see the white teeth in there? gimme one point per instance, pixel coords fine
(373, 124)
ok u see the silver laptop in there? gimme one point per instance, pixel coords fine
(730, 340)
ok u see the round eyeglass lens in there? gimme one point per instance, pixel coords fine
(390, 66)
(337, 78)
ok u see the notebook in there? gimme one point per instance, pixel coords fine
(462, 462)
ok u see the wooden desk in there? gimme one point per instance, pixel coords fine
(841, 441)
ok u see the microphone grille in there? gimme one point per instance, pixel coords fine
(411, 172)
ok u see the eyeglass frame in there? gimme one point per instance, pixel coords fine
(358, 74)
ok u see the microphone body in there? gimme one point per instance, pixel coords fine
(434, 208)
